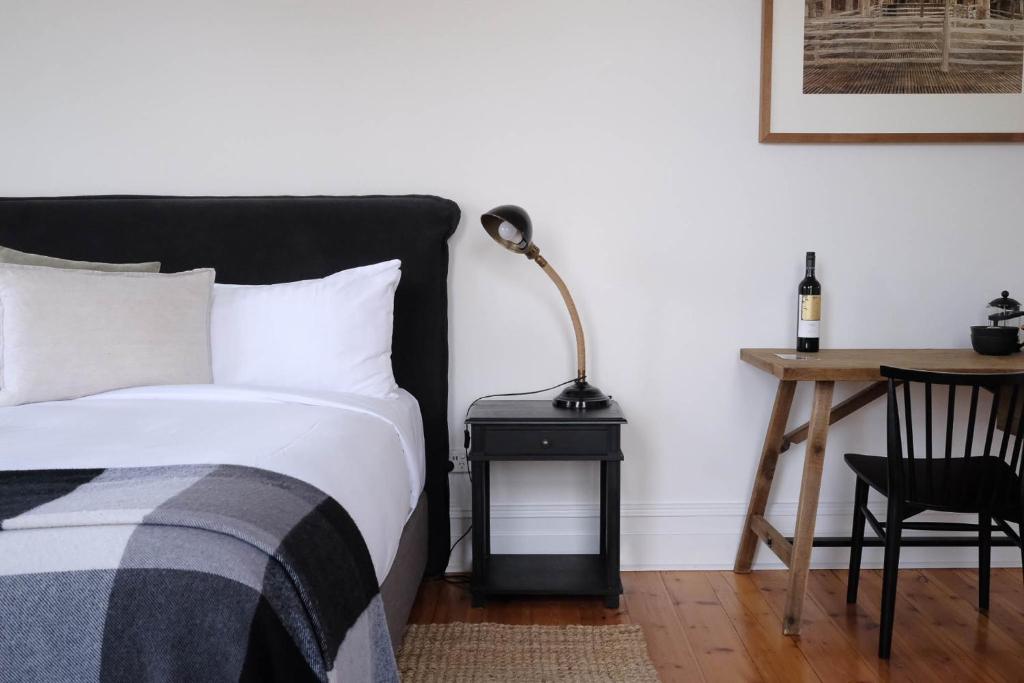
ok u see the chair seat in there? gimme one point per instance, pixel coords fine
(954, 485)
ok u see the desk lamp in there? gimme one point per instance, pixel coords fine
(510, 226)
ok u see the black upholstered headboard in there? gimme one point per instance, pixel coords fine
(262, 240)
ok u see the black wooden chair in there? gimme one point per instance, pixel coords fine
(985, 482)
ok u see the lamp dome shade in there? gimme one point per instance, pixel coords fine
(504, 222)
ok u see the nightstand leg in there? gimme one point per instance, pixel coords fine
(479, 520)
(487, 509)
(603, 544)
(612, 493)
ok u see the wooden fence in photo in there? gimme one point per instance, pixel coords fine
(913, 40)
(967, 9)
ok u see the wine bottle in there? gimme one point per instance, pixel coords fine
(808, 327)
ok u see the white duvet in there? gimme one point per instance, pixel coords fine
(366, 453)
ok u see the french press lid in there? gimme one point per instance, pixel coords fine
(1005, 302)
(1003, 309)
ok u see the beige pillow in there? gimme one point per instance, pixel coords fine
(71, 333)
(24, 258)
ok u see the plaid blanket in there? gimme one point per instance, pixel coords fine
(184, 573)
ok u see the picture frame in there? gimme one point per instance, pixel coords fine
(851, 116)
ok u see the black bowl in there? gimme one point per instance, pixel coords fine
(995, 341)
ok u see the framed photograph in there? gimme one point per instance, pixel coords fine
(892, 71)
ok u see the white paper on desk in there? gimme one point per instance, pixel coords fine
(793, 356)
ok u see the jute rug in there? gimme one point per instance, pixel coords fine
(524, 654)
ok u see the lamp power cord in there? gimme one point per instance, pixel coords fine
(465, 445)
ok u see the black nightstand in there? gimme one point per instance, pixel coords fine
(517, 431)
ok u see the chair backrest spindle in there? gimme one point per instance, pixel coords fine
(993, 414)
(950, 421)
(975, 390)
(894, 440)
(928, 420)
(1006, 433)
(909, 419)
(1018, 441)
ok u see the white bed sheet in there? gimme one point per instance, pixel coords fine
(366, 453)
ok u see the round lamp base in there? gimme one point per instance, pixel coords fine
(580, 396)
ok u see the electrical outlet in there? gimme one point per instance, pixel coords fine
(460, 461)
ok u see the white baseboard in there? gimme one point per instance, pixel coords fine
(664, 536)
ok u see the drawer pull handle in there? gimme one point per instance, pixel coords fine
(545, 443)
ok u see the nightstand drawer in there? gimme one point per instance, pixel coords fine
(581, 441)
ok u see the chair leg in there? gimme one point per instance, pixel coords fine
(984, 558)
(857, 538)
(893, 533)
(1022, 554)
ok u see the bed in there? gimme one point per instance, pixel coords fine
(401, 506)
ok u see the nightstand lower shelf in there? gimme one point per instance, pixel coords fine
(547, 575)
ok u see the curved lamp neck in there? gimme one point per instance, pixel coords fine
(533, 253)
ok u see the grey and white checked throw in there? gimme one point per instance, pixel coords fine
(184, 573)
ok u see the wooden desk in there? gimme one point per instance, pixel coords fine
(825, 368)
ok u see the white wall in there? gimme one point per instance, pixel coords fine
(627, 128)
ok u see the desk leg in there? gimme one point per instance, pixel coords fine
(765, 474)
(807, 511)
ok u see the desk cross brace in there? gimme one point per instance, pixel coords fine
(838, 412)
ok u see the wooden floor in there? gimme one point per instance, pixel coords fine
(720, 626)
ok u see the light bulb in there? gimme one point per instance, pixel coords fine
(509, 233)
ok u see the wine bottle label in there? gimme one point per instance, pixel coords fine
(810, 316)
(810, 307)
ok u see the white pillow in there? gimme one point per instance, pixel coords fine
(71, 333)
(331, 334)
